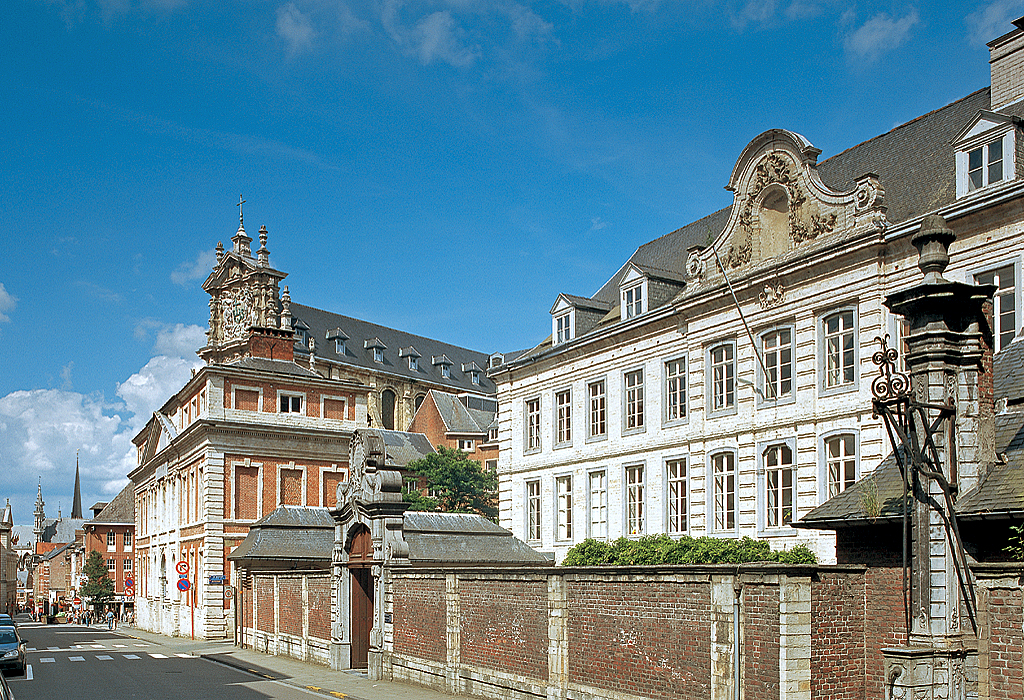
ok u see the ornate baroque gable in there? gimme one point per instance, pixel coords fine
(244, 293)
(780, 203)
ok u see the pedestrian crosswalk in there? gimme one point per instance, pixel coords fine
(88, 645)
(107, 657)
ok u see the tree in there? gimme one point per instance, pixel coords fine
(99, 588)
(456, 484)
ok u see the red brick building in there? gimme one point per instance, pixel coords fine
(112, 534)
(464, 422)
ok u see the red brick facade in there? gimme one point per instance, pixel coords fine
(761, 641)
(504, 626)
(419, 608)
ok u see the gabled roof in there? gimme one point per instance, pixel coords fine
(320, 322)
(464, 538)
(457, 418)
(120, 511)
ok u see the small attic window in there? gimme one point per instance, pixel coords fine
(446, 371)
(474, 377)
(563, 329)
(985, 165)
(414, 363)
(986, 152)
(633, 301)
(378, 354)
(339, 346)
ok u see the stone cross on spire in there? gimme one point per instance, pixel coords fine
(241, 240)
(239, 205)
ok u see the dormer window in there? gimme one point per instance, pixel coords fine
(446, 372)
(444, 365)
(985, 165)
(378, 348)
(474, 377)
(378, 355)
(339, 337)
(412, 357)
(563, 331)
(414, 363)
(985, 152)
(339, 346)
(633, 301)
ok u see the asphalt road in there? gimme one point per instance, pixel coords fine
(68, 662)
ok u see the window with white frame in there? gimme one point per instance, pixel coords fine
(839, 336)
(128, 564)
(339, 346)
(675, 389)
(723, 376)
(111, 564)
(596, 426)
(127, 540)
(563, 486)
(533, 424)
(777, 355)
(474, 377)
(633, 300)
(563, 331)
(466, 445)
(985, 165)
(633, 400)
(636, 505)
(291, 404)
(446, 372)
(1004, 303)
(111, 541)
(563, 417)
(599, 504)
(723, 477)
(378, 354)
(533, 503)
(840, 463)
(779, 485)
(678, 503)
(414, 363)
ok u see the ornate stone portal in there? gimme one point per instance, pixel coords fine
(371, 500)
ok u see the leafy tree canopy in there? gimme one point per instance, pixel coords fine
(99, 588)
(662, 549)
(456, 484)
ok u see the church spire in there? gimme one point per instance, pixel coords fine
(39, 513)
(76, 507)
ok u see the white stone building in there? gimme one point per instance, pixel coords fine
(719, 382)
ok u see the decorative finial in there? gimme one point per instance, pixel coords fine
(932, 243)
(239, 205)
(220, 251)
(263, 254)
(286, 309)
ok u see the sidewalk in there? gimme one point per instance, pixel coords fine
(320, 679)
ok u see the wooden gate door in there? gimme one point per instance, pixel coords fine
(359, 563)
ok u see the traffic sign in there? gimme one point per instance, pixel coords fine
(129, 582)
(229, 592)
(181, 567)
(129, 591)
(77, 602)
(218, 579)
(183, 584)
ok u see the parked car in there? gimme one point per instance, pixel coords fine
(7, 621)
(5, 690)
(12, 650)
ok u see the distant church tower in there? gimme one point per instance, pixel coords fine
(244, 294)
(76, 506)
(40, 514)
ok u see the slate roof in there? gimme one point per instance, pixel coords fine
(289, 532)
(401, 447)
(464, 538)
(61, 529)
(914, 163)
(277, 366)
(120, 511)
(1008, 372)
(320, 323)
(458, 418)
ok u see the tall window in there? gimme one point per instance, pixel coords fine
(634, 301)
(985, 165)
(533, 424)
(533, 510)
(111, 564)
(636, 513)
(128, 564)
(777, 354)
(127, 540)
(388, 399)
(723, 377)
(595, 394)
(840, 463)
(564, 488)
(678, 511)
(634, 397)
(723, 468)
(111, 540)
(675, 389)
(562, 330)
(599, 505)
(839, 358)
(563, 417)
(1004, 311)
(780, 485)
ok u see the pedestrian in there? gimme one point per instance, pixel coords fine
(110, 619)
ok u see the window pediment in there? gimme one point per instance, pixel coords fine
(985, 152)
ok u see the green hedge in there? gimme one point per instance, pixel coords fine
(662, 549)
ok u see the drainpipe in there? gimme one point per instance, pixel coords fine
(737, 589)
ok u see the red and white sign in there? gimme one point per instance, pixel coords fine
(77, 602)
(129, 582)
(182, 567)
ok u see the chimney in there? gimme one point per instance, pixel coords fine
(272, 343)
(1006, 58)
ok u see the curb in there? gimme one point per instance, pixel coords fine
(242, 666)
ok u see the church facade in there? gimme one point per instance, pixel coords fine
(719, 383)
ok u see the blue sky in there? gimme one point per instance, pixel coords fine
(446, 167)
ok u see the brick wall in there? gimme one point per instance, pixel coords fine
(761, 641)
(837, 636)
(653, 641)
(1006, 642)
(884, 625)
(504, 626)
(289, 604)
(263, 590)
(320, 606)
(420, 614)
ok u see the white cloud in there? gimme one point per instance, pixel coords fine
(992, 20)
(150, 387)
(179, 340)
(754, 12)
(596, 224)
(437, 37)
(294, 28)
(879, 35)
(195, 270)
(7, 303)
